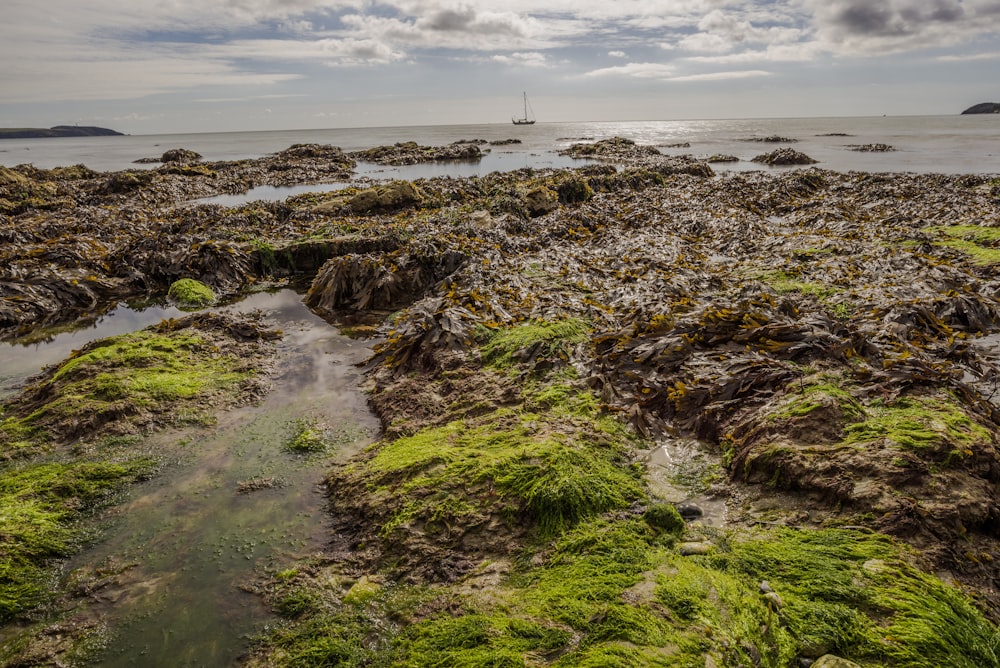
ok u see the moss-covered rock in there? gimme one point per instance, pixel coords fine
(191, 294)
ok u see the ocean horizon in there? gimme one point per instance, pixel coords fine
(953, 144)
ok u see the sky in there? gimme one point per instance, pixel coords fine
(174, 66)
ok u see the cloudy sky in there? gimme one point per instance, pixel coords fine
(150, 66)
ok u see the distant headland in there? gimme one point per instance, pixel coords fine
(984, 108)
(57, 131)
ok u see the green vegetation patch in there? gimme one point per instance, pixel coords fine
(924, 424)
(550, 340)
(554, 471)
(808, 398)
(144, 372)
(783, 282)
(188, 293)
(979, 243)
(39, 508)
(619, 593)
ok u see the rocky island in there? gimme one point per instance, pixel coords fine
(636, 413)
(57, 131)
(984, 108)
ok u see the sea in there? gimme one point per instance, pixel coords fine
(957, 144)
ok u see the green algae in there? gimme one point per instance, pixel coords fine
(49, 435)
(922, 424)
(40, 506)
(510, 463)
(979, 243)
(808, 398)
(540, 339)
(784, 282)
(119, 377)
(190, 294)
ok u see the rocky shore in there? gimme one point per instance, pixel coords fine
(827, 341)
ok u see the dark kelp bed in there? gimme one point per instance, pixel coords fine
(829, 339)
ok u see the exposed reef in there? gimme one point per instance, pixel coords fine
(827, 341)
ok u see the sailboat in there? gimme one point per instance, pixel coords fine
(524, 120)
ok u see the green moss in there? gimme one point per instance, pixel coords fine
(120, 376)
(39, 506)
(806, 399)
(782, 282)
(532, 341)
(556, 478)
(613, 593)
(664, 516)
(923, 424)
(191, 294)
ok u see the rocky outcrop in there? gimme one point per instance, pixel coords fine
(411, 153)
(785, 156)
(57, 131)
(984, 108)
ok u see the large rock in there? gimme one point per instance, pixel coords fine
(984, 108)
(785, 156)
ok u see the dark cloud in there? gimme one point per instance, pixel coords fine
(887, 18)
(451, 19)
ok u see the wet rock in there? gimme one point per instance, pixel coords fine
(689, 511)
(504, 142)
(833, 661)
(540, 201)
(180, 155)
(411, 153)
(694, 549)
(257, 484)
(871, 148)
(618, 149)
(785, 156)
(774, 601)
(719, 157)
(772, 139)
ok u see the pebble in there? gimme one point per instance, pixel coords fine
(689, 549)
(689, 511)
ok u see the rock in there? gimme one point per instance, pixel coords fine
(691, 549)
(984, 108)
(189, 293)
(411, 153)
(180, 155)
(774, 601)
(540, 201)
(833, 661)
(719, 157)
(689, 511)
(387, 197)
(765, 587)
(871, 148)
(785, 156)
(773, 139)
(364, 589)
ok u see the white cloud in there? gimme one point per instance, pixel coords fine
(636, 70)
(722, 76)
(617, 54)
(529, 59)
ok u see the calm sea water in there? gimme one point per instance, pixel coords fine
(945, 144)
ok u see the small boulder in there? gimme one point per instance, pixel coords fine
(190, 294)
(540, 201)
(785, 156)
(693, 549)
(180, 155)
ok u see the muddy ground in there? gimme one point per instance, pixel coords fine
(828, 338)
